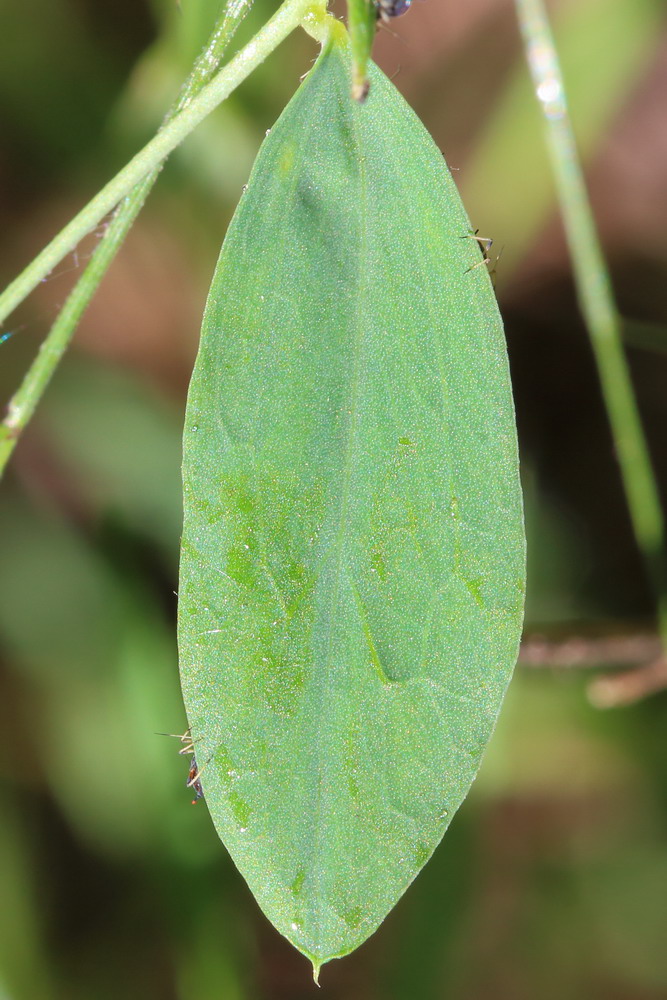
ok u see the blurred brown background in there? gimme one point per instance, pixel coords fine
(552, 881)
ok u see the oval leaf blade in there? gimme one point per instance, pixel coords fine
(352, 567)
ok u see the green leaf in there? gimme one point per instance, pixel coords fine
(353, 560)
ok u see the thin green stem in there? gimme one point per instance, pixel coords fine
(25, 400)
(206, 65)
(22, 405)
(597, 301)
(288, 17)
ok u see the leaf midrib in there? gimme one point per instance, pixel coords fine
(326, 690)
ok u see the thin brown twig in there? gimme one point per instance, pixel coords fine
(585, 651)
(641, 651)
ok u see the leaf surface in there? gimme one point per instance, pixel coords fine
(352, 569)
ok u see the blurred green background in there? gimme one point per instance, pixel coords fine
(552, 881)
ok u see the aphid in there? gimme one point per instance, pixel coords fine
(386, 9)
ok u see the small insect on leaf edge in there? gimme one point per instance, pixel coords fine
(193, 781)
(485, 243)
(185, 738)
(194, 772)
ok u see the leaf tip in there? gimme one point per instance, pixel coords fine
(316, 973)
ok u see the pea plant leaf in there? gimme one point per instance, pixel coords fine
(352, 568)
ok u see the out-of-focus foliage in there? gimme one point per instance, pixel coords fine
(551, 880)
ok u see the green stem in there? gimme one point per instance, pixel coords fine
(206, 65)
(24, 402)
(288, 17)
(597, 301)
